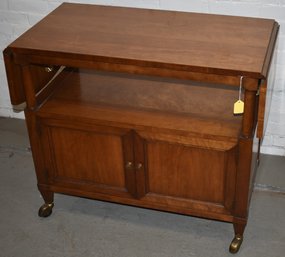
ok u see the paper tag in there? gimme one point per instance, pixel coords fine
(238, 107)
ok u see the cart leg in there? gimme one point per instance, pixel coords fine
(237, 241)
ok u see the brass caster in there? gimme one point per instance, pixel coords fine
(45, 210)
(236, 243)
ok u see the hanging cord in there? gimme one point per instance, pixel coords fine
(240, 88)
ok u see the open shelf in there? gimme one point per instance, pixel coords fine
(146, 101)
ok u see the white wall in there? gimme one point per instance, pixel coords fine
(16, 16)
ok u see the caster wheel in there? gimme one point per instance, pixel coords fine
(45, 210)
(236, 243)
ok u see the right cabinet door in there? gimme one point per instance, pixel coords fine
(194, 178)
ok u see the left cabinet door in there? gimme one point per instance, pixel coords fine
(88, 159)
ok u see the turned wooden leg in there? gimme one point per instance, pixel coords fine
(237, 241)
(46, 209)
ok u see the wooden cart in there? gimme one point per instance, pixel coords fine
(135, 106)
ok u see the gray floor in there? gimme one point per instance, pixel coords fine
(82, 227)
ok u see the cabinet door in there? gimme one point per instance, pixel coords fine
(88, 158)
(181, 175)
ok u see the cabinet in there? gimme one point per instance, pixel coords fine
(124, 116)
(117, 151)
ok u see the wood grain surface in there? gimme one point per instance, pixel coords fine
(181, 41)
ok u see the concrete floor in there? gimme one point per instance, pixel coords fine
(82, 227)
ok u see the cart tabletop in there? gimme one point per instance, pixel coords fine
(206, 43)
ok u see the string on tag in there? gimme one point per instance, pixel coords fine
(240, 88)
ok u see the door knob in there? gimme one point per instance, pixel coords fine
(129, 165)
(139, 166)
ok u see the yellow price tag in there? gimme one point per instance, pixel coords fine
(238, 107)
(239, 104)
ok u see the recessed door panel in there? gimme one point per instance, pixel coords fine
(186, 172)
(87, 156)
(91, 159)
